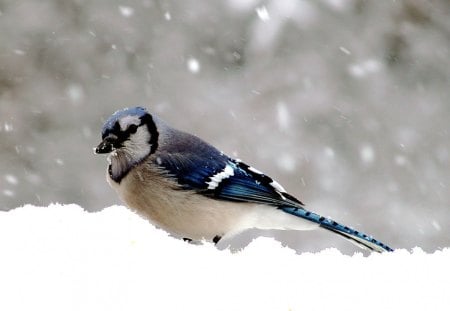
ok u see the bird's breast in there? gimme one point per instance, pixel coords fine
(183, 213)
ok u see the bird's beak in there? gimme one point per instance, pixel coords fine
(106, 146)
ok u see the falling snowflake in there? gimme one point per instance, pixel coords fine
(263, 14)
(367, 154)
(11, 179)
(193, 65)
(8, 127)
(8, 193)
(344, 50)
(283, 116)
(126, 11)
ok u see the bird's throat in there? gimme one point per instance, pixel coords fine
(119, 166)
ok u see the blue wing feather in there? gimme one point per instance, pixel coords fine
(190, 160)
(195, 172)
(248, 186)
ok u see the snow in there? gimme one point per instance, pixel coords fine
(329, 152)
(193, 65)
(344, 50)
(263, 14)
(338, 5)
(367, 154)
(61, 257)
(365, 68)
(400, 160)
(436, 225)
(19, 52)
(287, 162)
(11, 179)
(75, 93)
(59, 161)
(283, 116)
(126, 11)
(8, 127)
(8, 193)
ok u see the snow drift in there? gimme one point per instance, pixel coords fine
(63, 258)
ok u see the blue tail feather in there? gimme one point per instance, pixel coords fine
(361, 239)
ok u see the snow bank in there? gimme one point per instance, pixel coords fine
(63, 258)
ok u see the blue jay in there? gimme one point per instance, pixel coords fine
(192, 190)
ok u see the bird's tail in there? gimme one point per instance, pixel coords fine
(361, 239)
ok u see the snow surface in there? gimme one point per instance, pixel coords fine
(63, 258)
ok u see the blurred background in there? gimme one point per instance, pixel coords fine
(344, 102)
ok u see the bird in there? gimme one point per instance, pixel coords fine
(189, 188)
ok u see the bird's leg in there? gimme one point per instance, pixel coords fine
(216, 239)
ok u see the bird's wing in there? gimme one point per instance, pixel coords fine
(221, 177)
(250, 185)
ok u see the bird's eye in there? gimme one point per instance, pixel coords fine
(132, 128)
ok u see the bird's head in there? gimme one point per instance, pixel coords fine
(128, 136)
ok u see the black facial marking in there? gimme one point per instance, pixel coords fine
(120, 135)
(187, 240)
(148, 120)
